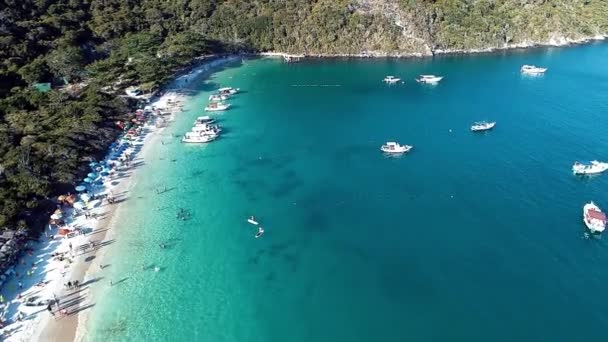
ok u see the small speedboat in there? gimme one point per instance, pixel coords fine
(429, 79)
(217, 106)
(594, 218)
(393, 147)
(532, 70)
(259, 233)
(227, 91)
(195, 137)
(482, 126)
(391, 79)
(587, 169)
(252, 220)
(217, 98)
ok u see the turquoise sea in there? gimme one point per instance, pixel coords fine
(470, 237)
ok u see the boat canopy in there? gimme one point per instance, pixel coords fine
(597, 215)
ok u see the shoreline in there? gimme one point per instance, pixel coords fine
(553, 42)
(102, 229)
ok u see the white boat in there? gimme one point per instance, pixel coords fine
(587, 169)
(393, 147)
(217, 97)
(391, 79)
(533, 70)
(482, 126)
(594, 218)
(217, 106)
(252, 221)
(193, 137)
(204, 120)
(207, 129)
(429, 79)
(228, 91)
(259, 233)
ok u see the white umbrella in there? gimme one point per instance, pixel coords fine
(79, 205)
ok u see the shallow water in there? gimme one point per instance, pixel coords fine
(469, 237)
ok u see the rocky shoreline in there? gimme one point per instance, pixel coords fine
(558, 41)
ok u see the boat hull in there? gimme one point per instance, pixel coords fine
(594, 225)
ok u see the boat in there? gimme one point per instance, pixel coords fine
(217, 97)
(204, 120)
(252, 220)
(217, 106)
(393, 147)
(194, 137)
(594, 218)
(532, 70)
(391, 79)
(482, 126)
(259, 233)
(429, 79)
(207, 129)
(587, 169)
(227, 91)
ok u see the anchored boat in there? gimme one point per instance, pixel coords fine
(482, 126)
(532, 70)
(393, 147)
(594, 218)
(588, 169)
(429, 79)
(195, 137)
(217, 106)
(227, 91)
(391, 79)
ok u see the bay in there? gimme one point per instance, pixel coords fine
(468, 237)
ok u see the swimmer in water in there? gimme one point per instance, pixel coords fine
(162, 246)
(156, 269)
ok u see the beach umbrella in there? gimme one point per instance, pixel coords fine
(104, 173)
(85, 197)
(88, 180)
(55, 216)
(93, 164)
(81, 188)
(92, 175)
(79, 205)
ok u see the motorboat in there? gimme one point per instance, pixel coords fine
(227, 91)
(207, 129)
(217, 106)
(429, 79)
(217, 98)
(532, 70)
(587, 169)
(204, 120)
(482, 126)
(259, 233)
(594, 218)
(194, 137)
(391, 79)
(252, 221)
(393, 147)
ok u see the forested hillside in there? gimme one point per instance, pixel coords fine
(91, 49)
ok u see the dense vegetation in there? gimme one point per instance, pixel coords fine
(91, 49)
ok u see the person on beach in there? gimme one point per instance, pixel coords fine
(76, 284)
(69, 285)
(70, 246)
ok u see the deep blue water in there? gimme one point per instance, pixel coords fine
(469, 237)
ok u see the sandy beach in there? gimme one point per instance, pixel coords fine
(47, 275)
